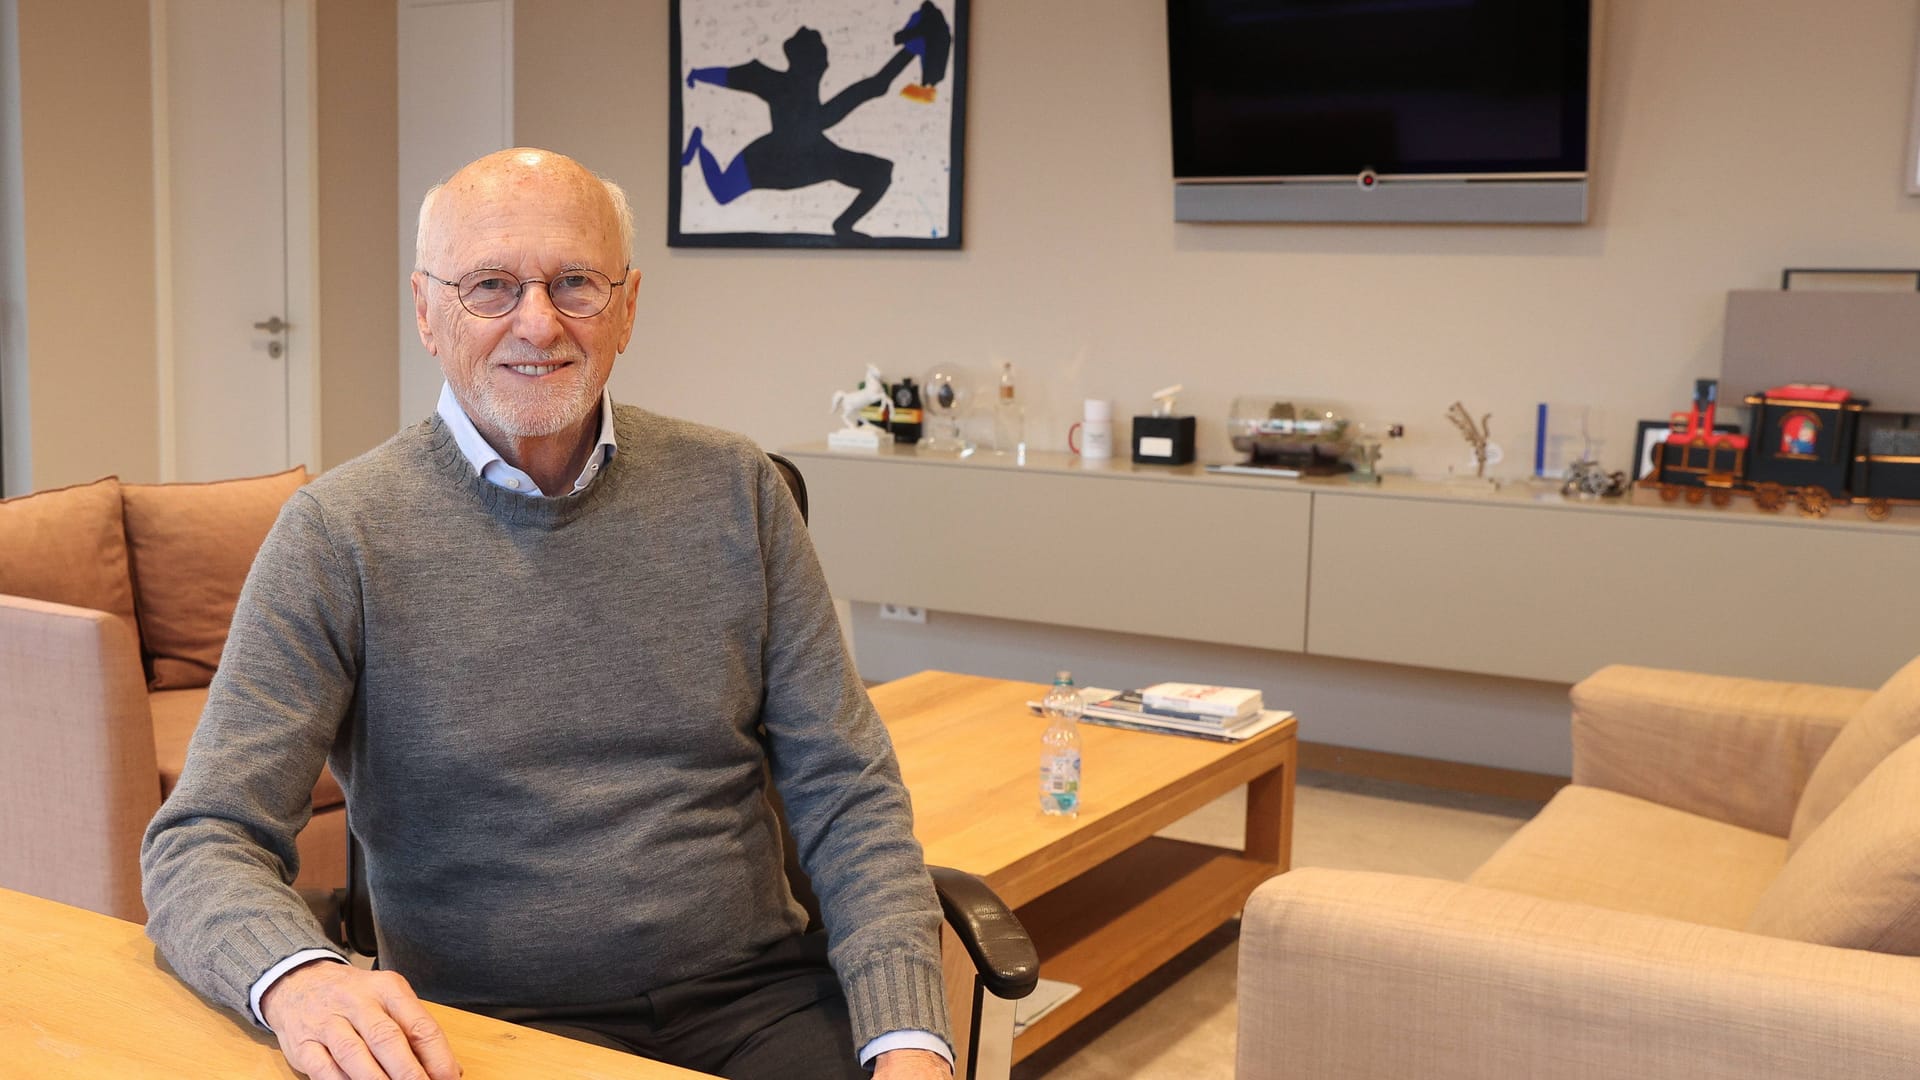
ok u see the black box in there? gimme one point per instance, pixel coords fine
(1886, 457)
(1162, 440)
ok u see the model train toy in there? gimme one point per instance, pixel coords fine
(1809, 444)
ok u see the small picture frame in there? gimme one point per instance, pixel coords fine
(1651, 433)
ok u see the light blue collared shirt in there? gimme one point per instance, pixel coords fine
(491, 467)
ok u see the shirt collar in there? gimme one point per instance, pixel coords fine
(487, 462)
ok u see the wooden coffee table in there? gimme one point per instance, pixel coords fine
(1105, 901)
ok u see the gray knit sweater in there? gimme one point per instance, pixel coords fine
(545, 715)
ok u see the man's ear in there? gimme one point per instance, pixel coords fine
(420, 311)
(631, 301)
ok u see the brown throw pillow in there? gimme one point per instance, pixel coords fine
(1855, 882)
(1889, 719)
(191, 548)
(66, 546)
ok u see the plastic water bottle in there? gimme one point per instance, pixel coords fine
(1060, 749)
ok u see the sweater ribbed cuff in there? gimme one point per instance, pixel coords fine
(891, 993)
(252, 947)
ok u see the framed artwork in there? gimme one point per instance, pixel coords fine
(1652, 433)
(816, 123)
(1913, 135)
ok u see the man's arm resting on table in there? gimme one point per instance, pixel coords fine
(335, 1020)
(912, 1044)
(906, 1039)
(905, 1064)
(272, 975)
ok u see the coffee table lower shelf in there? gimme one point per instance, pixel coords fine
(1108, 928)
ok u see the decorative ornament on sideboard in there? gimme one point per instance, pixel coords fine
(1477, 436)
(857, 430)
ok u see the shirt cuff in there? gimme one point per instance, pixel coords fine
(267, 978)
(905, 1039)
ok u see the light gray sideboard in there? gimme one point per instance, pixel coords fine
(1520, 582)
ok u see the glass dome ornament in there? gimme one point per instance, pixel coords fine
(944, 398)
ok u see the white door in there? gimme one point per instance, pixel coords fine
(235, 336)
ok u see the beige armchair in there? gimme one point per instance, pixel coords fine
(1730, 888)
(114, 603)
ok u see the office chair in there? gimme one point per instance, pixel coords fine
(1005, 965)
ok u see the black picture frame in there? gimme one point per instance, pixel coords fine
(711, 205)
(1644, 442)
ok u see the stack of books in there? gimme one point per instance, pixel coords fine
(1222, 713)
(1227, 705)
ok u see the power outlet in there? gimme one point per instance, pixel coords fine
(903, 613)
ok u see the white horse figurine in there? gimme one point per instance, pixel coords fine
(848, 403)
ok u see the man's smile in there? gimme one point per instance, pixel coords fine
(538, 370)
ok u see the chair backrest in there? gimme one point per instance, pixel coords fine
(796, 483)
(356, 905)
(797, 879)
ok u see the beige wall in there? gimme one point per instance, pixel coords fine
(359, 200)
(1734, 139)
(86, 133)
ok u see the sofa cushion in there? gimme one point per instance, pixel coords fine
(1889, 719)
(191, 546)
(176, 713)
(1609, 850)
(1855, 882)
(67, 546)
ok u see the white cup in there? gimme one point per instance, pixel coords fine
(1095, 431)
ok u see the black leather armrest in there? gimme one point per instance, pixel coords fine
(1003, 954)
(327, 905)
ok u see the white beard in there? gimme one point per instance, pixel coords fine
(536, 409)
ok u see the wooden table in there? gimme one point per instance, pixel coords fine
(85, 995)
(1105, 901)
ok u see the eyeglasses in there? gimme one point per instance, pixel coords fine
(577, 294)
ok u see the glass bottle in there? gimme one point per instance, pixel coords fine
(1060, 749)
(1009, 428)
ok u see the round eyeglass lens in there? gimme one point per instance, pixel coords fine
(489, 293)
(580, 293)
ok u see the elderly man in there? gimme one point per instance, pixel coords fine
(550, 647)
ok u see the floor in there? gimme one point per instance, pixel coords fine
(1178, 1024)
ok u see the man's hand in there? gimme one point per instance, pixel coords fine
(911, 1065)
(337, 1022)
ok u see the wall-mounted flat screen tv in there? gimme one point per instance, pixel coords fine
(1324, 89)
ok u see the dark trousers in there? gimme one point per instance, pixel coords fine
(780, 1016)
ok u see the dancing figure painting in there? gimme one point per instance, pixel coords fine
(817, 123)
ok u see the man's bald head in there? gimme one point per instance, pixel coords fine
(521, 172)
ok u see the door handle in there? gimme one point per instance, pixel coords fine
(275, 326)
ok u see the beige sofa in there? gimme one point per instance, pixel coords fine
(1730, 888)
(114, 604)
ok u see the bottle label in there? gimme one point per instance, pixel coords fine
(905, 416)
(1060, 783)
